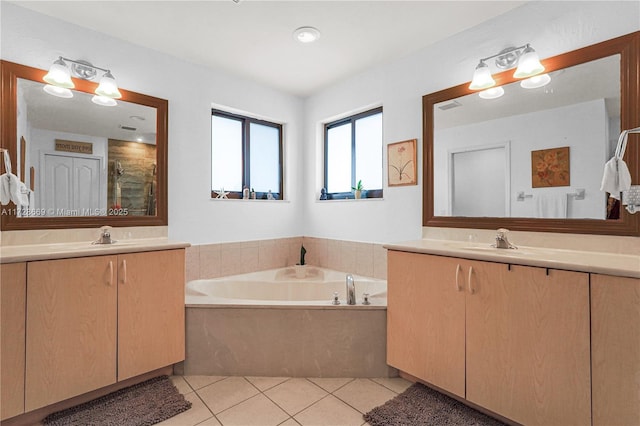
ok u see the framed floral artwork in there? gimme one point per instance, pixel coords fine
(550, 167)
(402, 161)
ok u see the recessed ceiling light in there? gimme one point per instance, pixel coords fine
(306, 34)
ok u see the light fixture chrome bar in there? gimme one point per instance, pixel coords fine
(84, 64)
(505, 52)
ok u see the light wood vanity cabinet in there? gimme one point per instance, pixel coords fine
(511, 339)
(71, 328)
(615, 346)
(13, 279)
(426, 320)
(150, 311)
(94, 321)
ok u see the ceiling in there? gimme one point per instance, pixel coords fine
(253, 38)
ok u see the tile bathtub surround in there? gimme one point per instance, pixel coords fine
(281, 401)
(294, 342)
(223, 259)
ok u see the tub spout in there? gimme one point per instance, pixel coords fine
(351, 290)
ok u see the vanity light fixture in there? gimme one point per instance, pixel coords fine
(535, 81)
(59, 77)
(306, 34)
(492, 93)
(526, 58)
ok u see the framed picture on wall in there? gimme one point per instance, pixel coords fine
(550, 167)
(402, 163)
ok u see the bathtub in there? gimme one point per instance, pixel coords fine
(272, 323)
(283, 287)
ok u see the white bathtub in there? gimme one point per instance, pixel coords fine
(281, 287)
(273, 324)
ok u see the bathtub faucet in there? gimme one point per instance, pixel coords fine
(351, 290)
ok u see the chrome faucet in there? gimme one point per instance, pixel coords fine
(105, 236)
(502, 242)
(351, 290)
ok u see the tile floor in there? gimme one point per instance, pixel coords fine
(246, 401)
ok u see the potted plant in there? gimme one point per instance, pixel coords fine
(357, 190)
(301, 267)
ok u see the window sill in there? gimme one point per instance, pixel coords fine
(353, 200)
(240, 200)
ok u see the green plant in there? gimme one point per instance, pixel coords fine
(358, 187)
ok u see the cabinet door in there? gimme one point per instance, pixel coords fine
(528, 343)
(425, 319)
(13, 277)
(615, 334)
(150, 311)
(71, 328)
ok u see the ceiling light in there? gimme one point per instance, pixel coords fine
(306, 34)
(492, 93)
(526, 58)
(536, 81)
(59, 76)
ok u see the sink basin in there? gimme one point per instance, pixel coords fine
(489, 249)
(495, 250)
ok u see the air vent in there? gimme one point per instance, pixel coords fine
(133, 129)
(450, 105)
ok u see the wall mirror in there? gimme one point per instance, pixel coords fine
(85, 165)
(532, 159)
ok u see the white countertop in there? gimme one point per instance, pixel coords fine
(572, 260)
(26, 253)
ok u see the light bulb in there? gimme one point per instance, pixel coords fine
(59, 75)
(528, 64)
(108, 87)
(482, 78)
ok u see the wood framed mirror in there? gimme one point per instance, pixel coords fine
(506, 129)
(82, 164)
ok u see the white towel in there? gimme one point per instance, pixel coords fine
(552, 206)
(11, 188)
(616, 177)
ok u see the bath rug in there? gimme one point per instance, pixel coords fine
(420, 405)
(146, 403)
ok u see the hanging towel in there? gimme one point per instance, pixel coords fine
(11, 188)
(552, 206)
(616, 177)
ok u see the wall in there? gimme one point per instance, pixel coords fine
(551, 27)
(37, 40)
(587, 140)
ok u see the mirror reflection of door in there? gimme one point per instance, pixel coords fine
(71, 185)
(479, 181)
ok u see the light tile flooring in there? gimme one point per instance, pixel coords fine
(246, 401)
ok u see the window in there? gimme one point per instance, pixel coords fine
(245, 152)
(353, 152)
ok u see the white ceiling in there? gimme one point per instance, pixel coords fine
(253, 38)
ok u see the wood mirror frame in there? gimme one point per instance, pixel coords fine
(9, 74)
(628, 47)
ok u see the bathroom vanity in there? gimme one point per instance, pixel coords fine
(77, 318)
(539, 337)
